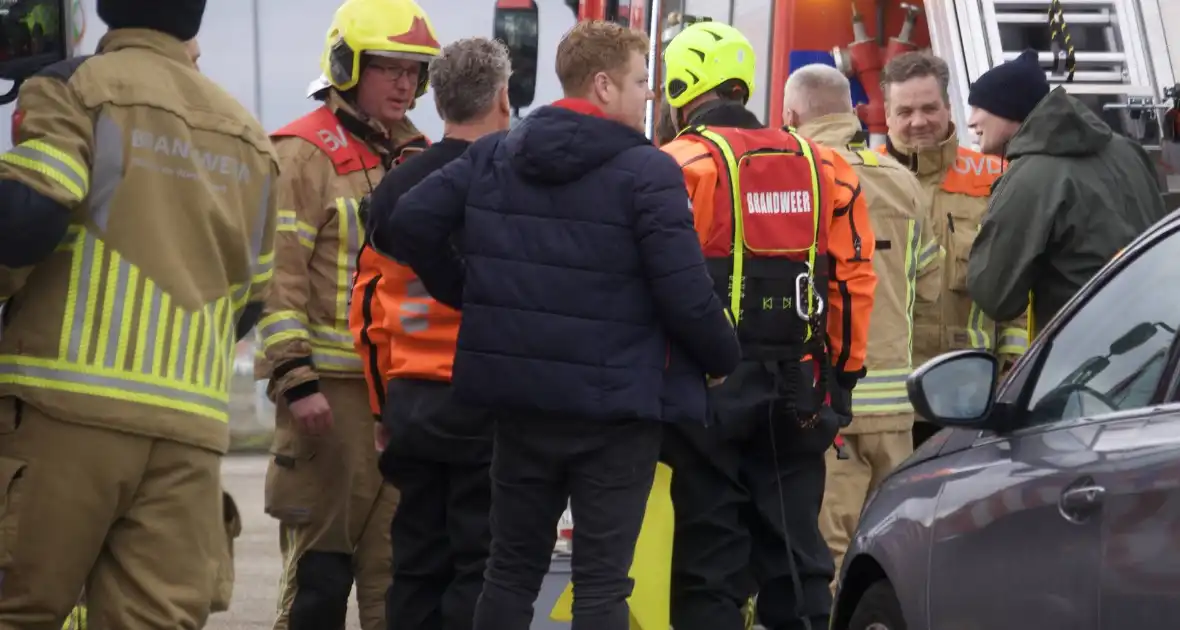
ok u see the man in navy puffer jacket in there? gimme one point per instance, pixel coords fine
(569, 246)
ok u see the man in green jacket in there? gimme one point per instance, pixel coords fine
(1074, 194)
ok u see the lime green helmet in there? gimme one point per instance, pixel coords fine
(705, 56)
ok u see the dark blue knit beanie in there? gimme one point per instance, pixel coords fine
(1011, 90)
(179, 18)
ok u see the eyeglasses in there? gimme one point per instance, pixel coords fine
(394, 73)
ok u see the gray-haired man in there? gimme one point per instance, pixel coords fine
(436, 451)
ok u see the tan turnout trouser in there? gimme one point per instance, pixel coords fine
(871, 456)
(334, 510)
(134, 520)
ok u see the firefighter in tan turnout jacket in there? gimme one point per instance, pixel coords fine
(907, 261)
(323, 484)
(136, 231)
(957, 183)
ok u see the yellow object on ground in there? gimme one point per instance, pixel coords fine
(652, 567)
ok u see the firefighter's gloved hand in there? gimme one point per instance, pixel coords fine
(841, 404)
(840, 396)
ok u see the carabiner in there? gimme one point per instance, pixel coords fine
(803, 283)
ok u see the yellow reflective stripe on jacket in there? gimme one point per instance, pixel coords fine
(350, 235)
(1032, 328)
(123, 338)
(282, 326)
(77, 619)
(264, 262)
(928, 254)
(1013, 341)
(737, 278)
(977, 334)
(305, 232)
(57, 165)
(265, 269)
(333, 350)
(882, 392)
(868, 157)
(912, 264)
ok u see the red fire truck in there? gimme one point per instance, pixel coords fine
(1118, 62)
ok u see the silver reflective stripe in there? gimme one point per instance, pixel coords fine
(929, 254)
(54, 165)
(227, 337)
(355, 232)
(238, 294)
(332, 362)
(112, 307)
(1013, 341)
(280, 325)
(83, 270)
(888, 379)
(66, 379)
(182, 325)
(977, 334)
(122, 271)
(415, 289)
(913, 262)
(150, 315)
(331, 337)
(413, 316)
(884, 402)
(882, 392)
(350, 235)
(108, 169)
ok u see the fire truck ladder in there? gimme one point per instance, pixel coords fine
(1120, 52)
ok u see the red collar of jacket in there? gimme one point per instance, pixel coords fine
(581, 106)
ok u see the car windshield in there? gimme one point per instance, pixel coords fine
(1108, 357)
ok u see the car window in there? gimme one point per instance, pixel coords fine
(1112, 352)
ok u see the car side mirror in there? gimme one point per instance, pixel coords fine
(516, 24)
(956, 389)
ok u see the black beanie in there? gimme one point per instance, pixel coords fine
(179, 18)
(1011, 90)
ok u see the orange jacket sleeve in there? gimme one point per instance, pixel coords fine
(851, 280)
(366, 319)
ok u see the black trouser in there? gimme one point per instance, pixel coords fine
(439, 456)
(605, 471)
(745, 490)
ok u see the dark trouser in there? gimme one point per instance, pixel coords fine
(605, 471)
(746, 490)
(439, 456)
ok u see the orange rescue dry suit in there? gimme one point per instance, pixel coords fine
(779, 218)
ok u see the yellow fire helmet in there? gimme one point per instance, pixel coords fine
(706, 56)
(387, 28)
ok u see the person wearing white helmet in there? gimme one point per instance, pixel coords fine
(322, 483)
